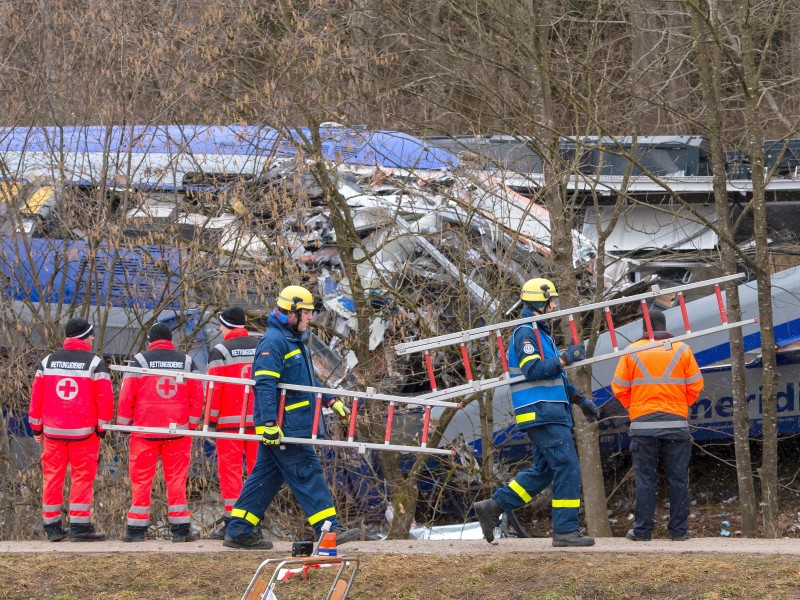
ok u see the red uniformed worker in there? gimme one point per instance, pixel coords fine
(71, 401)
(232, 358)
(160, 401)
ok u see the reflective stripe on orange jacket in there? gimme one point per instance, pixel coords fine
(658, 380)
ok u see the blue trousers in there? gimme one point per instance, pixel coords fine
(674, 455)
(555, 461)
(298, 466)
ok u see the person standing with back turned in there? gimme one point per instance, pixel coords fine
(658, 386)
(71, 400)
(233, 357)
(149, 400)
(283, 357)
(542, 397)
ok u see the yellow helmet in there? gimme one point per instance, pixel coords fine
(295, 297)
(538, 290)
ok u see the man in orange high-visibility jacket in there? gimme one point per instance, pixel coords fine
(71, 401)
(232, 357)
(158, 401)
(658, 386)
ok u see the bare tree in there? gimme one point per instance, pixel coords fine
(705, 23)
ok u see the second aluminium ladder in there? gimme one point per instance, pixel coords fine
(463, 337)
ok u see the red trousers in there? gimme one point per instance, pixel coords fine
(81, 457)
(231, 455)
(143, 458)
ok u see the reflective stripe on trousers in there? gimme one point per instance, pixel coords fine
(81, 457)
(299, 467)
(555, 461)
(143, 459)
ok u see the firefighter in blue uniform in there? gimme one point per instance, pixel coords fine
(542, 397)
(283, 357)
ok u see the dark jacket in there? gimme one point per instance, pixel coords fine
(283, 357)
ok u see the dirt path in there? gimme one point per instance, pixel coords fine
(440, 548)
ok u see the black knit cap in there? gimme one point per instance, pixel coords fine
(657, 319)
(159, 331)
(78, 328)
(232, 317)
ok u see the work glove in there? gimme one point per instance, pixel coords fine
(38, 438)
(101, 433)
(340, 409)
(272, 434)
(573, 354)
(590, 410)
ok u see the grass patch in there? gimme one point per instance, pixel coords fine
(407, 577)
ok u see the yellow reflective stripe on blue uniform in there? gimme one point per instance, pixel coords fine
(566, 503)
(323, 514)
(243, 514)
(296, 405)
(528, 358)
(291, 354)
(270, 373)
(520, 491)
(524, 418)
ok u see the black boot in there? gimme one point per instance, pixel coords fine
(247, 541)
(344, 535)
(219, 532)
(55, 532)
(573, 538)
(488, 513)
(85, 532)
(183, 533)
(134, 534)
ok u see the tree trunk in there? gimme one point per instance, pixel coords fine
(769, 373)
(709, 71)
(561, 224)
(405, 493)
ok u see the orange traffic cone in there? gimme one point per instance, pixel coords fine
(327, 545)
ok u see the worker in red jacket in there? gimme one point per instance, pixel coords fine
(71, 401)
(232, 358)
(160, 401)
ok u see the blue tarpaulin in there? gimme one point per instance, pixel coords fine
(391, 149)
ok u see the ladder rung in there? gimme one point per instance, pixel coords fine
(658, 343)
(449, 339)
(481, 385)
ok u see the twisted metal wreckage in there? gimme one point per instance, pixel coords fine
(422, 214)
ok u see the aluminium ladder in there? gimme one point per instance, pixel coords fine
(361, 447)
(463, 337)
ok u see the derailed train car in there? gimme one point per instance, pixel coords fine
(194, 159)
(711, 416)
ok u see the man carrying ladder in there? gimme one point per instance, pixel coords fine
(542, 398)
(283, 357)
